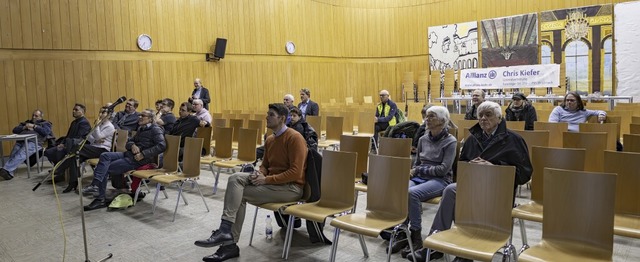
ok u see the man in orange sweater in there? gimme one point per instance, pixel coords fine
(279, 179)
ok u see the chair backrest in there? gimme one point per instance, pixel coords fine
(315, 122)
(224, 148)
(205, 134)
(554, 157)
(237, 124)
(347, 122)
(170, 156)
(631, 143)
(388, 186)
(595, 143)
(368, 99)
(534, 138)
(348, 100)
(365, 123)
(257, 125)
(360, 145)
(634, 129)
(515, 125)
(570, 213)
(247, 144)
(611, 129)
(635, 119)
(114, 139)
(626, 165)
(219, 122)
(555, 131)
(191, 157)
(543, 114)
(216, 115)
(398, 147)
(122, 137)
(614, 119)
(484, 196)
(334, 127)
(337, 186)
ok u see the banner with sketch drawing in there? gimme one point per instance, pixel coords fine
(509, 41)
(453, 46)
(511, 77)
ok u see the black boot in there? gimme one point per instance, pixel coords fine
(399, 244)
(223, 253)
(416, 241)
(421, 255)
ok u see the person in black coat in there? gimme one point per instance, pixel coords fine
(520, 109)
(200, 92)
(78, 130)
(308, 107)
(127, 119)
(185, 126)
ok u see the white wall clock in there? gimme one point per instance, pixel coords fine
(144, 42)
(290, 47)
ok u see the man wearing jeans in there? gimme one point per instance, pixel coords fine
(142, 149)
(279, 179)
(36, 125)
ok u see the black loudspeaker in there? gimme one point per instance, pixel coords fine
(221, 46)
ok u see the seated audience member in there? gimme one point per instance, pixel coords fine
(142, 149)
(165, 118)
(185, 125)
(36, 125)
(288, 102)
(520, 109)
(78, 130)
(477, 97)
(299, 124)
(572, 111)
(127, 119)
(490, 143)
(432, 171)
(421, 130)
(385, 113)
(280, 178)
(307, 107)
(201, 113)
(98, 142)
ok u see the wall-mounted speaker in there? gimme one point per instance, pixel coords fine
(218, 50)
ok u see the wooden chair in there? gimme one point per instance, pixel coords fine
(612, 130)
(574, 227)
(190, 173)
(483, 213)
(246, 153)
(118, 144)
(223, 149)
(217, 115)
(205, 134)
(415, 112)
(534, 138)
(515, 125)
(348, 100)
(611, 119)
(169, 164)
(216, 123)
(388, 207)
(259, 126)
(627, 209)
(631, 143)
(366, 127)
(635, 120)
(368, 99)
(541, 157)
(360, 145)
(336, 196)
(463, 128)
(634, 129)
(398, 147)
(334, 131)
(595, 143)
(347, 122)
(316, 123)
(555, 131)
(543, 115)
(237, 124)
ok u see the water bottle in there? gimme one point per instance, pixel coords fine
(268, 228)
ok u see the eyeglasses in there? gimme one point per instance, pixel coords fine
(197, 104)
(129, 104)
(516, 99)
(431, 116)
(35, 115)
(570, 100)
(383, 95)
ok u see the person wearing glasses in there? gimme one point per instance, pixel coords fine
(572, 111)
(200, 92)
(36, 125)
(142, 149)
(385, 113)
(128, 118)
(165, 118)
(520, 109)
(201, 112)
(185, 125)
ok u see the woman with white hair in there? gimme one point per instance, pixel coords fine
(432, 171)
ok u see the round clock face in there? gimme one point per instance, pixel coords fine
(290, 47)
(144, 42)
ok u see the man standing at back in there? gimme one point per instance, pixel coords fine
(200, 92)
(385, 113)
(279, 179)
(308, 107)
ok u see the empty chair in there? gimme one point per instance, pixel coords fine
(574, 227)
(315, 122)
(631, 143)
(515, 125)
(534, 138)
(627, 209)
(368, 99)
(595, 143)
(555, 131)
(366, 127)
(205, 134)
(483, 213)
(612, 130)
(386, 208)
(334, 131)
(634, 129)
(258, 125)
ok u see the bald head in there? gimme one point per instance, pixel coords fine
(384, 96)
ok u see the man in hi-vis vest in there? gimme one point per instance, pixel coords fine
(385, 113)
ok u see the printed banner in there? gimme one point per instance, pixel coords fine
(527, 76)
(510, 41)
(453, 46)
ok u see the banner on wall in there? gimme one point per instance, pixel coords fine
(527, 76)
(509, 41)
(453, 46)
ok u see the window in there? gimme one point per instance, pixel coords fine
(577, 61)
(546, 54)
(607, 74)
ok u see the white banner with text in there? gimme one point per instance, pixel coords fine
(525, 76)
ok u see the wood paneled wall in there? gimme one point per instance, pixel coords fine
(54, 53)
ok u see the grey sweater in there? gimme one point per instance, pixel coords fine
(435, 158)
(574, 118)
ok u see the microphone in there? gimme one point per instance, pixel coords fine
(117, 102)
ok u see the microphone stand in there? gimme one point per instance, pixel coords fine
(76, 154)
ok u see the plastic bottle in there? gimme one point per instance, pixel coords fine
(268, 228)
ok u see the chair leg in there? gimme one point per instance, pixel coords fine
(135, 197)
(411, 247)
(391, 242)
(355, 201)
(334, 246)
(363, 245)
(253, 227)
(287, 238)
(213, 172)
(199, 191)
(155, 199)
(215, 185)
(509, 253)
(523, 233)
(180, 185)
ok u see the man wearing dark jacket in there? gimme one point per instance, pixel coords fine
(36, 125)
(141, 149)
(200, 92)
(520, 109)
(186, 125)
(308, 107)
(78, 130)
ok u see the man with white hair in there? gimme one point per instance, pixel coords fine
(288, 102)
(385, 113)
(200, 92)
(201, 112)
